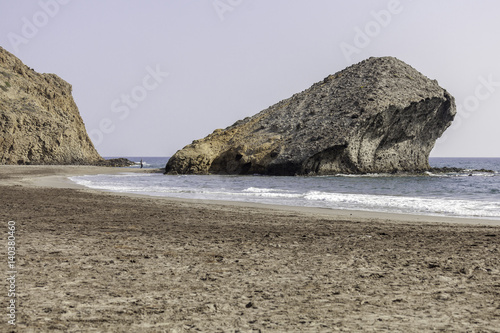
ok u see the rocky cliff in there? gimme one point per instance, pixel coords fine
(380, 115)
(39, 120)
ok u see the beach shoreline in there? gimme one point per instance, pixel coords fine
(94, 260)
(43, 177)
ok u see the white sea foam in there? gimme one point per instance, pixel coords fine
(260, 190)
(415, 205)
(269, 193)
(436, 195)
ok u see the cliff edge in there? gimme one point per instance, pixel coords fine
(39, 120)
(380, 115)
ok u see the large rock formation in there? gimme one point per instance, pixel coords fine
(39, 121)
(380, 115)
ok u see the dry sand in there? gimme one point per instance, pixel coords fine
(91, 261)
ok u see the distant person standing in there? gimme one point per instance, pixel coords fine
(141, 163)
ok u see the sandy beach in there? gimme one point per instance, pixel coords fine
(90, 261)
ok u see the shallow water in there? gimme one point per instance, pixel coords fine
(466, 194)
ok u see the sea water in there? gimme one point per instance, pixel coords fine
(473, 194)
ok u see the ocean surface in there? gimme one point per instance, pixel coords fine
(472, 194)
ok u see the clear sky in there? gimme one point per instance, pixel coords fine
(151, 76)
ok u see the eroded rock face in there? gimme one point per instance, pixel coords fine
(39, 120)
(380, 115)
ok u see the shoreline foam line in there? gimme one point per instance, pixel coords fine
(214, 189)
(344, 214)
(57, 177)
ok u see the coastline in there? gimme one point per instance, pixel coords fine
(94, 260)
(61, 180)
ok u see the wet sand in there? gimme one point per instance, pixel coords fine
(96, 261)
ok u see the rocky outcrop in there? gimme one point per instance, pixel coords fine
(115, 162)
(379, 115)
(39, 120)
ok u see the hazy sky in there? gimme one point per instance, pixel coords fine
(151, 76)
